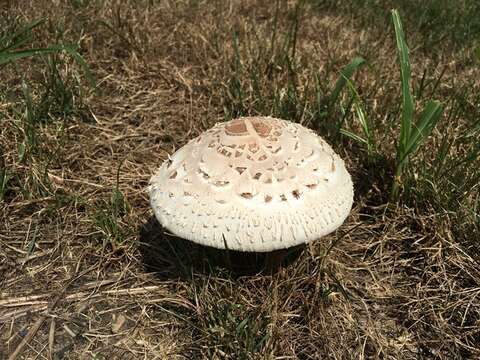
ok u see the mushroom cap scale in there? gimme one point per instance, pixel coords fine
(252, 184)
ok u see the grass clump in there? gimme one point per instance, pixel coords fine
(12, 43)
(108, 219)
(38, 99)
(268, 76)
(236, 332)
(411, 134)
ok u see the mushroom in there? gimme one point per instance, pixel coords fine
(256, 184)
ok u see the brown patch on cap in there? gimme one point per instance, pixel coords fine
(238, 127)
(262, 128)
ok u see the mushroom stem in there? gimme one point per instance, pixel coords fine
(274, 259)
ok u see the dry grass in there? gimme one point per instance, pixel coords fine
(86, 273)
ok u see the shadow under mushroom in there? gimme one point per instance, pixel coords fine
(171, 257)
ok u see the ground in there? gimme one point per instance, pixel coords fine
(87, 272)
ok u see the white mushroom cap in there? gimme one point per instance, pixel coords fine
(252, 184)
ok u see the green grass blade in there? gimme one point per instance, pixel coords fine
(428, 119)
(477, 53)
(21, 36)
(72, 51)
(12, 56)
(4, 178)
(15, 45)
(405, 72)
(362, 118)
(10, 42)
(354, 136)
(345, 74)
(6, 57)
(358, 106)
(474, 130)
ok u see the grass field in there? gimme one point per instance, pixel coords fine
(87, 273)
